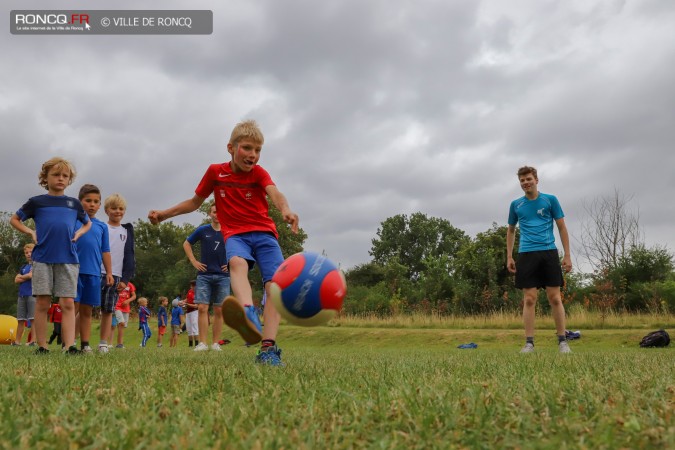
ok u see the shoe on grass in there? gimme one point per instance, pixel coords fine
(119, 346)
(201, 347)
(216, 346)
(564, 347)
(243, 320)
(271, 356)
(87, 349)
(41, 351)
(527, 348)
(103, 348)
(72, 350)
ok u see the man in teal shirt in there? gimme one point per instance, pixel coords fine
(538, 265)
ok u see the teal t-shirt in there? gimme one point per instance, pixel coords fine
(536, 219)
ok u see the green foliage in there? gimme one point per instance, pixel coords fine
(161, 265)
(412, 240)
(11, 260)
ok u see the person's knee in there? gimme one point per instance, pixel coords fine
(530, 300)
(237, 263)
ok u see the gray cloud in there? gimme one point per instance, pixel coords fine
(369, 109)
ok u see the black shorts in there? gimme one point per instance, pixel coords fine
(538, 270)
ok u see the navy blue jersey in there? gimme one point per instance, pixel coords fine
(91, 246)
(176, 312)
(212, 249)
(162, 317)
(55, 218)
(26, 288)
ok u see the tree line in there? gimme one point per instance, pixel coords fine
(423, 264)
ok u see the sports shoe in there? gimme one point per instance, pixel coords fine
(14, 344)
(528, 348)
(243, 320)
(72, 350)
(159, 345)
(564, 347)
(41, 351)
(201, 347)
(270, 357)
(32, 344)
(87, 349)
(119, 346)
(216, 346)
(103, 348)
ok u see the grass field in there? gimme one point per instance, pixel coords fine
(347, 387)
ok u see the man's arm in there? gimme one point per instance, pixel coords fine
(510, 242)
(565, 239)
(281, 203)
(187, 247)
(184, 207)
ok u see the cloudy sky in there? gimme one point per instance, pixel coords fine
(369, 108)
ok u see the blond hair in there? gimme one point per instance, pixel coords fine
(247, 129)
(143, 301)
(161, 300)
(30, 245)
(115, 201)
(56, 163)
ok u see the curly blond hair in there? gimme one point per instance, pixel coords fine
(56, 163)
(247, 129)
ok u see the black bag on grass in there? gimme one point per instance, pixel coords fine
(658, 338)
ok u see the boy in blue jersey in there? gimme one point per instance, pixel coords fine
(538, 265)
(143, 315)
(93, 249)
(25, 305)
(213, 278)
(162, 319)
(55, 262)
(176, 321)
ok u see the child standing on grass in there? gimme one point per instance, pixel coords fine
(241, 187)
(162, 319)
(176, 321)
(93, 250)
(25, 305)
(123, 264)
(55, 318)
(143, 314)
(192, 316)
(55, 262)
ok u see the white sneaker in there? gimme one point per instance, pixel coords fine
(87, 349)
(201, 347)
(103, 349)
(528, 348)
(564, 347)
(216, 346)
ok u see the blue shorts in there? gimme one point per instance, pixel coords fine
(114, 321)
(89, 290)
(256, 247)
(211, 287)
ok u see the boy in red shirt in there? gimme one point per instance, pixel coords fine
(240, 188)
(55, 317)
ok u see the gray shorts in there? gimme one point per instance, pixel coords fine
(122, 318)
(25, 307)
(57, 280)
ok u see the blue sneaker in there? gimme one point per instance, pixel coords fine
(270, 357)
(244, 321)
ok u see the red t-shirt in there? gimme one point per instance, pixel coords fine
(190, 300)
(55, 313)
(240, 198)
(125, 294)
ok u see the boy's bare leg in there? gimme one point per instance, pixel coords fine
(217, 323)
(271, 317)
(42, 304)
(19, 332)
(241, 288)
(106, 324)
(85, 322)
(67, 321)
(203, 321)
(557, 309)
(120, 334)
(77, 319)
(529, 302)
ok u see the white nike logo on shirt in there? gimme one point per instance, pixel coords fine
(223, 175)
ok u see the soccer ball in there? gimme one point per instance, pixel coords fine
(308, 289)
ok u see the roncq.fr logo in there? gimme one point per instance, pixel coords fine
(51, 19)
